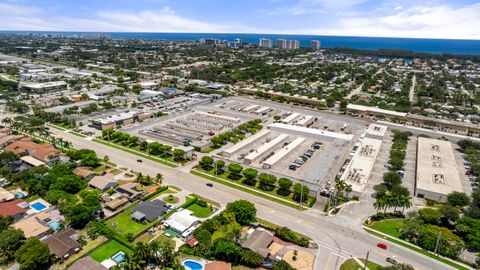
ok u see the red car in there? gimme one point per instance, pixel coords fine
(382, 245)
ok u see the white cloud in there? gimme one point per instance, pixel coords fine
(19, 17)
(303, 7)
(416, 22)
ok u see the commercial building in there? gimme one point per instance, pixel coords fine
(309, 132)
(265, 149)
(437, 173)
(315, 45)
(305, 120)
(359, 166)
(282, 153)
(372, 111)
(376, 131)
(266, 43)
(45, 86)
(289, 119)
(245, 143)
(117, 120)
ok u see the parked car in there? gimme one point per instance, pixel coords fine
(209, 185)
(139, 160)
(392, 261)
(382, 245)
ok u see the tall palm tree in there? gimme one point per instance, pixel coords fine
(379, 203)
(406, 202)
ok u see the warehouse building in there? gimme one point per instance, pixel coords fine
(118, 120)
(265, 149)
(245, 143)
(45, 86)
(309, 132)
(437, 173)
(282, 153)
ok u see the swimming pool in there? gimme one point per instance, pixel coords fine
(192, 265)
(55, 225)
(38, 206)
(119, 257)
(20, 195)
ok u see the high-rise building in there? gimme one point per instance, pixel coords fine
(287, 44)
(281, 43)
(315, 44)
(265, 43)
(210, 41)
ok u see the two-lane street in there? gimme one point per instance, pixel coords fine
(337, 239)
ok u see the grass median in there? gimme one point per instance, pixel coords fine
(246, 189)
(133, 152)
(416, 249)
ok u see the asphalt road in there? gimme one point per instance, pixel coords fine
(338, 239)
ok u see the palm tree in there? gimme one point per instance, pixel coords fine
(379, 203)
(142, 252)
(159, 178)
(406, 202)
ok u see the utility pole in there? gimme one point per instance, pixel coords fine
(438, 242)
(366, 260)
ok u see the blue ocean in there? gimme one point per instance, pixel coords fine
(437, 46)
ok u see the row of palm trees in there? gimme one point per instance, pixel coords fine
(39, 132)
(392, 201)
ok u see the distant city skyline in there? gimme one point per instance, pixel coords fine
(448, 19)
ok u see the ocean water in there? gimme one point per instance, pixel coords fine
(437, 46)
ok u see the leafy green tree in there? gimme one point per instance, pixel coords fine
(234, 170)
(5, 222)
(282, 265)
(392, 179)
(227, 250)
(10, 240)
(300, 193)
(178, 154)
(250, 176)
(33, 254)
(267, 181)
(449, 213)
(69, 183)
(430, 215)
(458, 199)
(285, 184)
(244, 211)
(220, 166)
(251, 258)
(206, 162)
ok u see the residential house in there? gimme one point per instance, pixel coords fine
(116, 203)
(130, 191)
(84, 172)
(259, 241)
(17, 209)
(218, 265)
(103, 182)
(87, 263)
(6, 195)
(149, 211)
(63, 244)
(35, 225)
(182, 222)
(44, 152)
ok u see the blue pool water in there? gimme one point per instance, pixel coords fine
(192, 265)
(54, 225)
(38, 206)
(119, 257)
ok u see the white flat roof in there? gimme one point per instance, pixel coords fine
(266, 147)
(262, 110)
(312, 131)
(219, 116)
(436, 167)
(236, 147)
(290, 118)
(303, 121)
(32, 161)
(374, 109)
(250, 107)
(115, 117)
(284, 151)
(45, 84)
(376, 130)
(360, 167)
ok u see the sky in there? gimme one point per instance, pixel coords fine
(451, 19)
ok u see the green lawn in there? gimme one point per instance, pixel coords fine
(166, 191)
(32, 198)
(351, 264)
(389, 226)
(108, 250)
(126, 224)
(199, 211)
